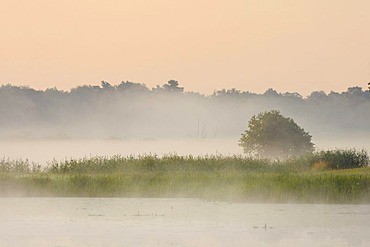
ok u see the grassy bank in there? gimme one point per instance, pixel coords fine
(303, 180)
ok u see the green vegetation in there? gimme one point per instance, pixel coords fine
(234, 178)
(271, 135)
(341, 159)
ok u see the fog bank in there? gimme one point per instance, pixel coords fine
(108, 119)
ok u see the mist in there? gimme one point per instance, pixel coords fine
(130, 118)
(143, 200)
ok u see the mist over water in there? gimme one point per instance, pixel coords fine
(46, 150)
(43, 151)
(131, 119)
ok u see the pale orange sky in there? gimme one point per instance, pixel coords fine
(289, 45)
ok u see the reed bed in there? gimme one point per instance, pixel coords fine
(234, 178)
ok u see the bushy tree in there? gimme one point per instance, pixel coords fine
(271, 135)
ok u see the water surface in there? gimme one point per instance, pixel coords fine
(178, 222)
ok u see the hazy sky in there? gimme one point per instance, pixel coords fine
(289, 45)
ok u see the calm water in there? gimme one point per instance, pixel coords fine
(178, 222)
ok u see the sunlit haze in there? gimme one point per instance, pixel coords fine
(206, 45)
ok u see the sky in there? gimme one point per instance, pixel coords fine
(252, 45)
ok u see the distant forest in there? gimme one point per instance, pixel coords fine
(132, 110)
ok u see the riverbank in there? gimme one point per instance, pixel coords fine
(210, 178)
(350, 186)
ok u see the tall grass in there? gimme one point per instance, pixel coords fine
(331, 159)
(308, 187)
(19, 166)
(153, 163)
(208, 177)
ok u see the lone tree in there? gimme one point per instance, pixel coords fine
(271, 135)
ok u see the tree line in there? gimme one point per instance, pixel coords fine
(132, 110)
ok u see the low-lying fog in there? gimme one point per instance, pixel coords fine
(42, 151)
(45, 150)
(132, 119)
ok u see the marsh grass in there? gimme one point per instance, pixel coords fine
(153, 163)
(234, 178)
(18, 166)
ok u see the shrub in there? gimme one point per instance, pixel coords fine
(342, 158)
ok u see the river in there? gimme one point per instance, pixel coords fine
(178, 222)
